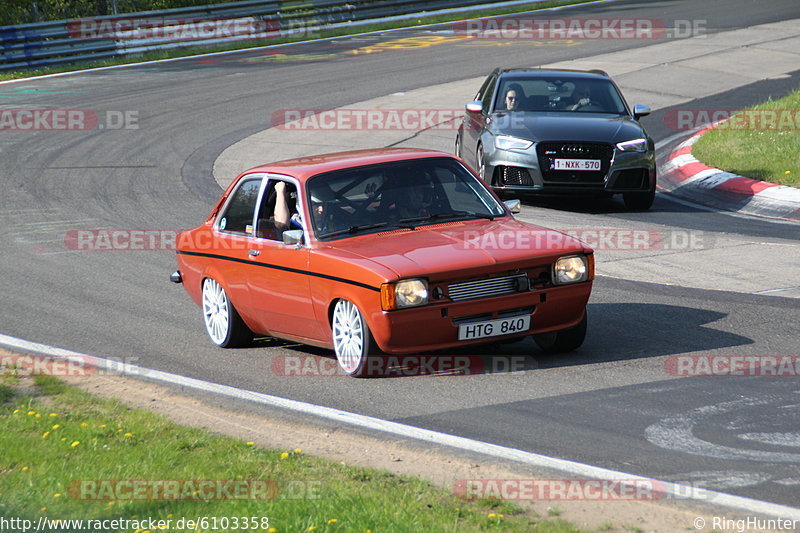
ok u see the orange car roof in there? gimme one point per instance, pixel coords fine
(305, 167)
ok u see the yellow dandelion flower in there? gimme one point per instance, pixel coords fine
(312, 528)
(332, 521)
(169, 515)
(499, 515)
(788, 172)
(75, 443)
(492, 515)
(15, 411)
(54, 415)
(119, 431)
(37, 415)
(24, 468)
(45, 434)
(84, 425)
(272, 530)
(298, 450)
(43, 509)
(31, 413)
(57, 495)
(56, 426)
(111, 503)
(102, 425)
(250, 443)
(284, 455)
(129, 434)
(63, 439)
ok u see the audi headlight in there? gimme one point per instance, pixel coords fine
(405, 293)
(635, 145)
(506, 142)
(571, 269)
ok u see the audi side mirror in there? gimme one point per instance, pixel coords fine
(476, 106)
(640, 111)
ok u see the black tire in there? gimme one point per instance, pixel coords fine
(224, 326)
(639, 201)
(565, 340)
(353, 342)
(480, 165)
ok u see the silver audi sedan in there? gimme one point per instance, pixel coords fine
(558, 132)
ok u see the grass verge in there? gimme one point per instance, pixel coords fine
(339, 32)
(67, 455)
(761, 142)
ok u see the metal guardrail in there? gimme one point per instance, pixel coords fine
(71, 41)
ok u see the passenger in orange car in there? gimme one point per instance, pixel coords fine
(283, 216)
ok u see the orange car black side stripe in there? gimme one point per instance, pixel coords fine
(283, 268)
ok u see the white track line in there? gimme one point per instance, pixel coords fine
(672, 490)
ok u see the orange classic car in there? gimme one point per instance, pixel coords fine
(393, 251)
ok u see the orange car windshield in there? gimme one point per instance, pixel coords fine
(397, 194)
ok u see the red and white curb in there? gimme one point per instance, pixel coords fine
(683, 175)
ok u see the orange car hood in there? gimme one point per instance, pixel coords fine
(461, 246)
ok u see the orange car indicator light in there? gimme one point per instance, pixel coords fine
(387, 297)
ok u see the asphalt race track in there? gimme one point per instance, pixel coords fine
(613, 403)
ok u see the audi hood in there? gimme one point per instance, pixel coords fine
(559, 126)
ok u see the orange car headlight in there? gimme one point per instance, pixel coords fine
(404, 293)
(572, 269)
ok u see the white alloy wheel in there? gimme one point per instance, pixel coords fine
(216, 311)
(224, 326)
(351, 337)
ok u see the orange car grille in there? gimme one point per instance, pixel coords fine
(487, 288)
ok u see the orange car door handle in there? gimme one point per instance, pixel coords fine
(253, 253)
